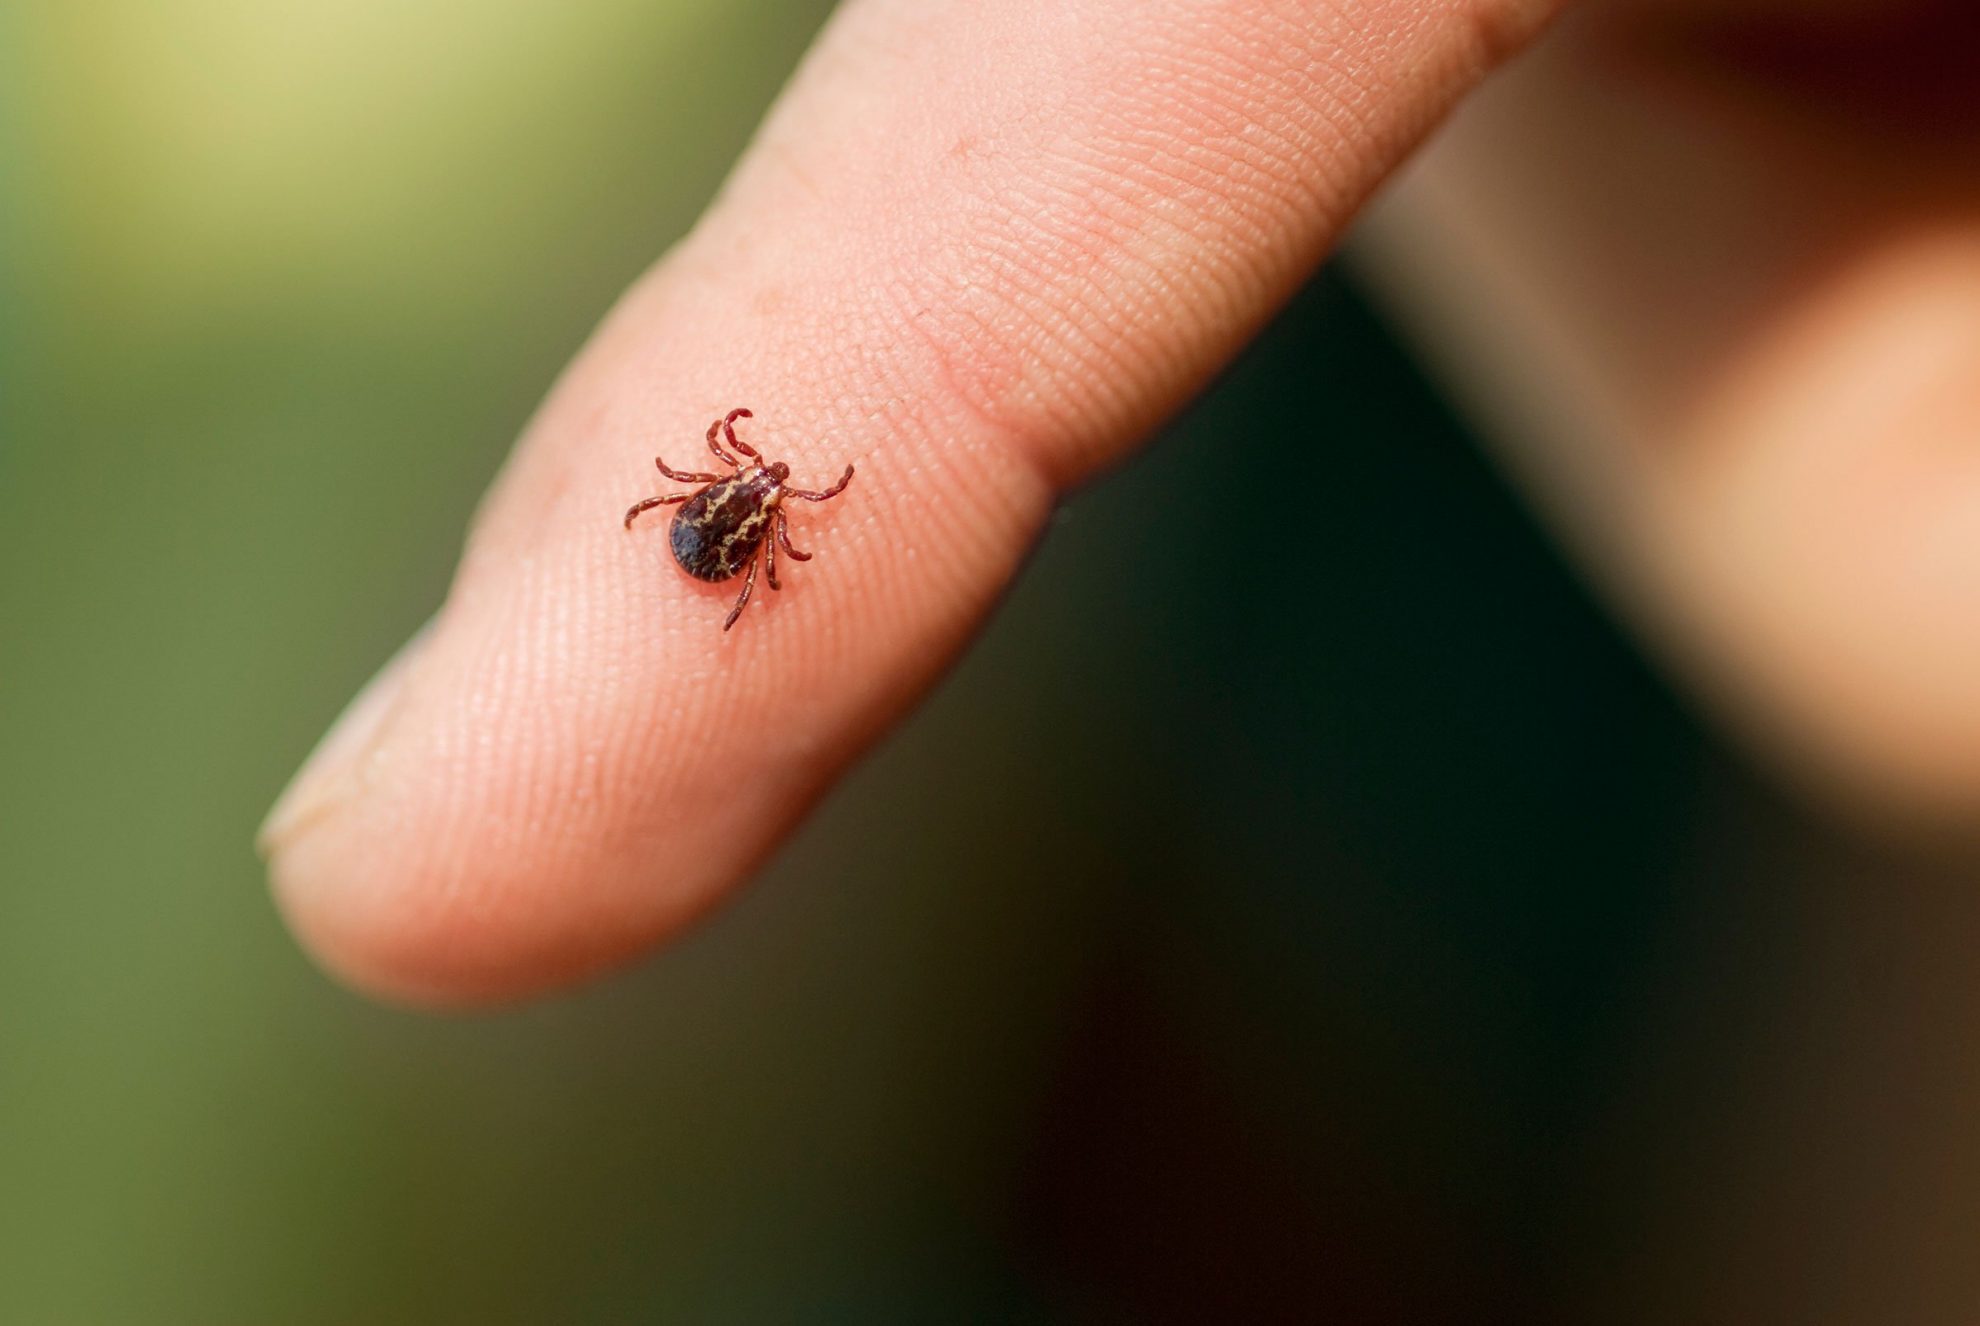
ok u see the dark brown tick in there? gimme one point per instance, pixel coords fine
(722, 526)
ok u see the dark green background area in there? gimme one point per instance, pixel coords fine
(1337, 914)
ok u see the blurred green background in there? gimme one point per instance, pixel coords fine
(1371, 938)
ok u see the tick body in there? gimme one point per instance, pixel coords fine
(730, 524)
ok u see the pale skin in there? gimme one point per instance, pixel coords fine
(981, 250)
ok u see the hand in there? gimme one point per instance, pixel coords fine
(981, 250)
(1714, 269)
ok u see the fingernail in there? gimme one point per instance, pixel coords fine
(333, 773)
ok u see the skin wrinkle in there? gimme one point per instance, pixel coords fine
(1003, 394)
(1286, 142)
(1002, 386)
(1063, 350)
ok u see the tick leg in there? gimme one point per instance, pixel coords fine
(729, 431)
(784, 537)
(770, 562)
(652, 502)
(715, 446)
(749, 583)
(829, 493)
(682, 476)
(728, 425)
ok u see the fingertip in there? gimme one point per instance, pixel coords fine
(469, 848)
(380, 953)
(386, 928)
(464, 929)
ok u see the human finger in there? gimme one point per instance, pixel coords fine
(976, 252)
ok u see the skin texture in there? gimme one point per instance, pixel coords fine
(978, 249)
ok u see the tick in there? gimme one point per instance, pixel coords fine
(731, 524)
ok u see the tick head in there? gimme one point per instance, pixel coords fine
(779, 471)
